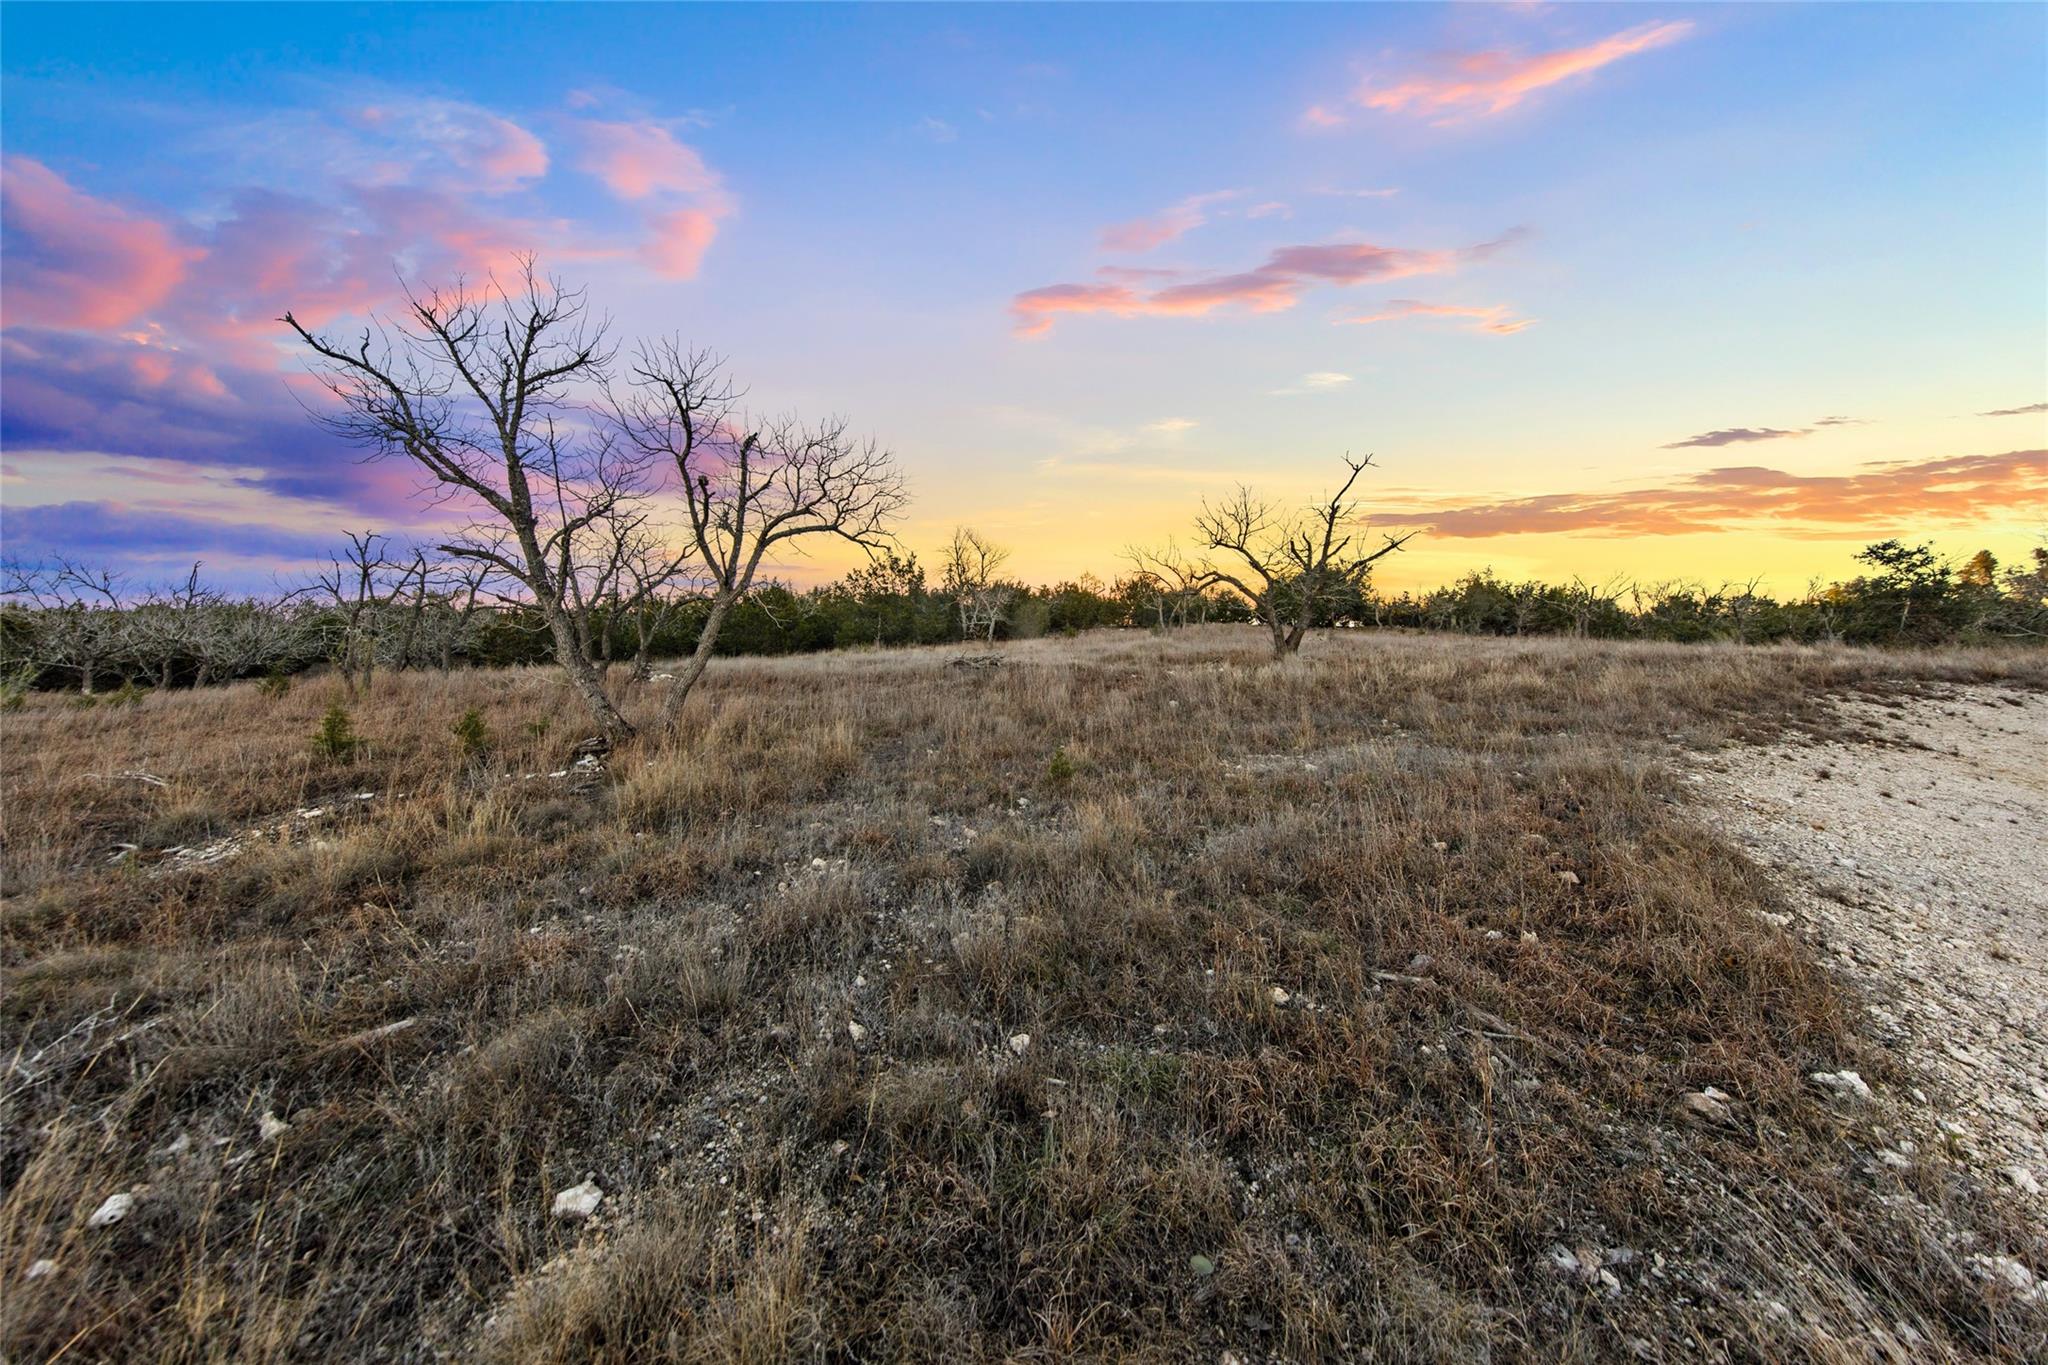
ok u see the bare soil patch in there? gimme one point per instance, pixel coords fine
(1913, 851)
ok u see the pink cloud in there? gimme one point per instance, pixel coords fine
(1491, 318)
(77, 261)
(1957, 490)
(1142, 234)
(1482, 84)
(677, 242)
(1276, 285)
(635, 160)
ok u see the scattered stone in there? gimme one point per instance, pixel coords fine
(1201, 1265)
(1440, 846)
(46, 1266)
(1421, 963)
(1569, 878)
(578, 1201)
(270, 1127)
(2023, 1179)
(1844, 1084)
(1897, 1161)
(1020, 1043)
(1279, 996)
(112, 1211)
(1709, 1105)
(856, 1031)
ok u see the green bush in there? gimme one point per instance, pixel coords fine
(473, 736)
(336, 739)
(275, 683)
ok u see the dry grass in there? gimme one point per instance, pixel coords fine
(649, 981)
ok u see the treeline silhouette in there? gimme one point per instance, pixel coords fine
(68, 626)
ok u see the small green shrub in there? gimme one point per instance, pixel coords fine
(276, 683)
(538, 728)
(127, 694)
(84, 701)
(1061, 768)
(336, 739)
(473, 735)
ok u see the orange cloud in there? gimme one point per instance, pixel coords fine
(1482, 84)
(77, 261)
(1959, 490)
(1492, 318)
(1276, 285)
(1142, 234)
(635, 160)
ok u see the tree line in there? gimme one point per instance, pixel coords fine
(66, 625)
(558, 450)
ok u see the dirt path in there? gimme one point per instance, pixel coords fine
(1916, 860)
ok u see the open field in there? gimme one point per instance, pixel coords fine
(1137, 998)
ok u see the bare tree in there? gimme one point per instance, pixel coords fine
(970, 580)
(1286, 563)
(80, 621)
(1179, 585)
(749, 486)
(482, 391)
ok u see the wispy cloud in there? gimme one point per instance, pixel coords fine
(1172, 426)
(1735, 436)
(1316, 381)
(2016, 412)
(937, 129)
(1494, 318)
(1489, 82)
(1875, 500)
(1143, 234)
(74, 260)
(1277, 284)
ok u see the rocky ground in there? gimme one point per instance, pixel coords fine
(1913, 845)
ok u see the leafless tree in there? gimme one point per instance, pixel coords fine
(80, 621)
(969, 578)
(356, 586)
(1179, 585)
(1287, 563)
(748, 486)
(485, 392)
(167, 627)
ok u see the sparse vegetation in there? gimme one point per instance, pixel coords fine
(336, 739)
(1268, 1026)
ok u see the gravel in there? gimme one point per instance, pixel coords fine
(1915, 859)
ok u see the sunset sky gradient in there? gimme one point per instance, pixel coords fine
(1713, 291)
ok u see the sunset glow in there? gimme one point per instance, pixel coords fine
(1708, 292)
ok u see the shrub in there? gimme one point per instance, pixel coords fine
(473, 735)
(127, 694)
(275, 683)
(336, 739)
(1061, 768)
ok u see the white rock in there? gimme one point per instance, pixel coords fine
(46, 1266)
(2004, 1270)
(270, 1127)
(1020, 1043)
(2023, 1178)
(579, 1201)
(112, 1211)
(1279, 995)
(1846, 1084)
(857, 1032)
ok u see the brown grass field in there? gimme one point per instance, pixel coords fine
(478, 988)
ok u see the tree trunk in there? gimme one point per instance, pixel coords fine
(584, 678)
(700, 659)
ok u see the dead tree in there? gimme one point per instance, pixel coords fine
(970, 580)
(749, 487)
(470, 388)
(1288, 564)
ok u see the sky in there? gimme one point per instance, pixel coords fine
(1645, 291)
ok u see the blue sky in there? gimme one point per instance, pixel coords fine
(1584, 235)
